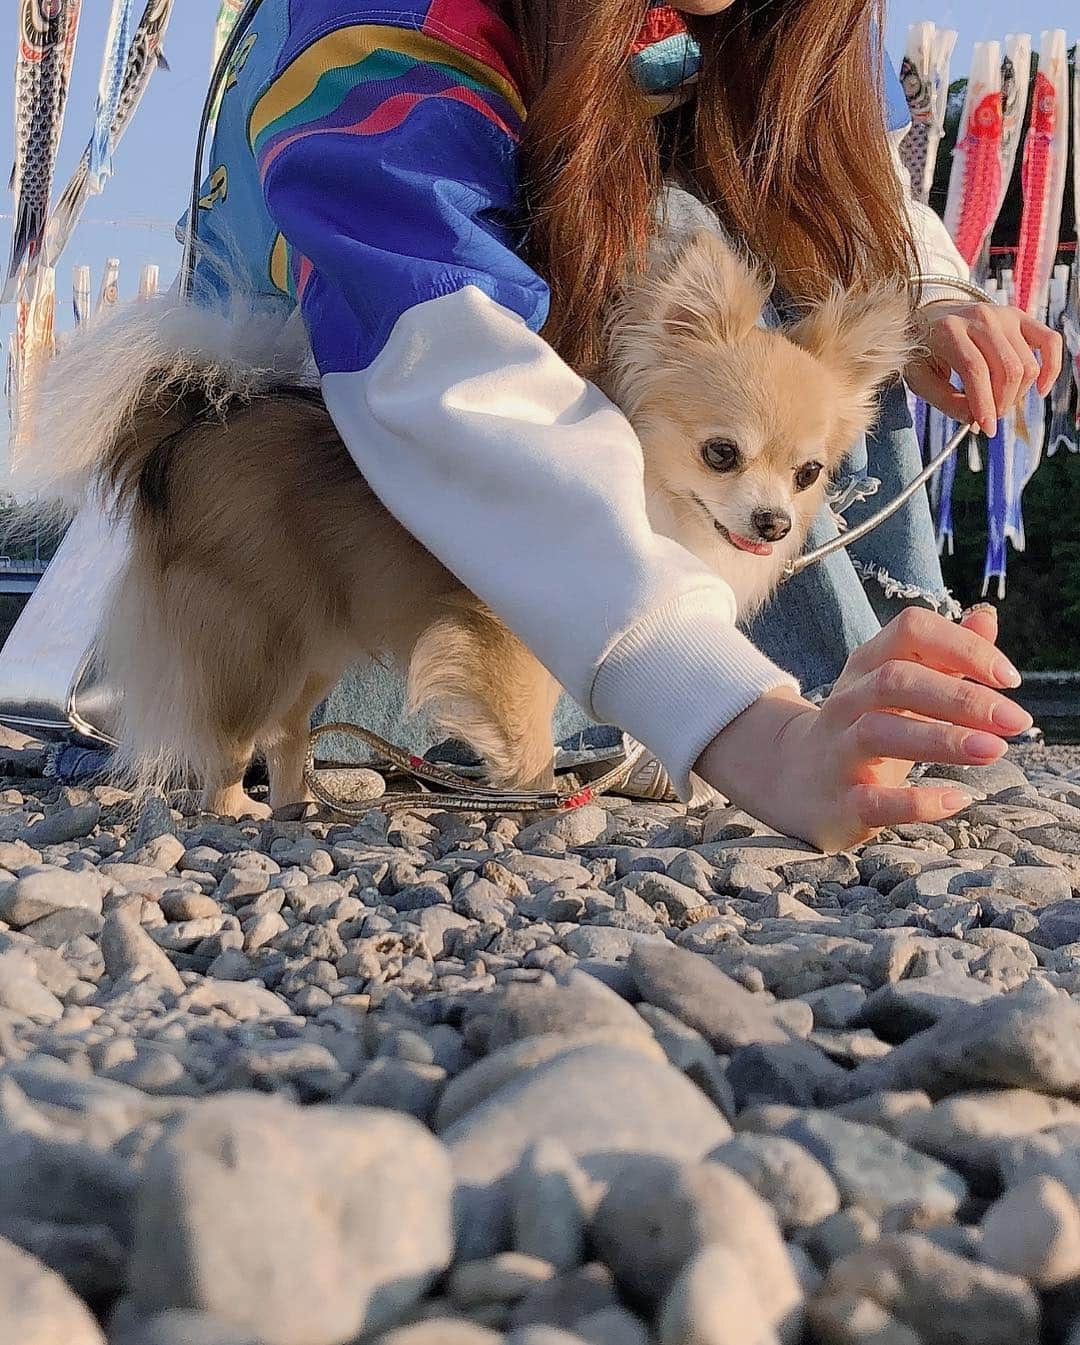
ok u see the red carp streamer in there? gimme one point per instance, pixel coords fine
(1043, 176)
(975, 182)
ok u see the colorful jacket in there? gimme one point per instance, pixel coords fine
(363, 170)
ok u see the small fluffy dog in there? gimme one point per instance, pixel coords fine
(246, 594)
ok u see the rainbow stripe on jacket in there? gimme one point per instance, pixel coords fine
(364, 162)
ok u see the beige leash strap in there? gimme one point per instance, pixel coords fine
(461, 795)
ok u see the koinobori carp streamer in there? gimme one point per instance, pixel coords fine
(924, 74)
(975, 181)
(143, 58)
(80, 294)
(1043, 175)
(114, 64)
(1015, 82)
(47, 33)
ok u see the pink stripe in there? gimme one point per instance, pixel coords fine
(306, 269)
(386, 117)
(473, 26)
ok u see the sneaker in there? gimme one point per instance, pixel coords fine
(649, 781)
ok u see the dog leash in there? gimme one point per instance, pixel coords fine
(464, 795)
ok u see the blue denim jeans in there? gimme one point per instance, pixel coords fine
(811, 625)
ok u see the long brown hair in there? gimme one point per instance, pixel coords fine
(786, 138)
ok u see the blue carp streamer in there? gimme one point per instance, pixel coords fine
(117, 45)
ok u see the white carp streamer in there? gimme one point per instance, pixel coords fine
(80, 294)
(148, 281)
(924, 74)
(143, 58)
(1015, 83)
(109, 294)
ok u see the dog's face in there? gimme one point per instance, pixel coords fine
(742, 427)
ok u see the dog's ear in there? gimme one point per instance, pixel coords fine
(707, 291)
(863, 336)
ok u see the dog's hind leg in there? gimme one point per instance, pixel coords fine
(478, 682)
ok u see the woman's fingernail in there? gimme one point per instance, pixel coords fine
(982, 745)
(955, 800)
(1010, 717)
(1004, 673)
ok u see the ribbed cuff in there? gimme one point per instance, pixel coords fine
(680, 676)
(932, 294)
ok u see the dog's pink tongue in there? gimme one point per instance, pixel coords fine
(745, 544)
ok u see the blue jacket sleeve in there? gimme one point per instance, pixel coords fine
(387, 158)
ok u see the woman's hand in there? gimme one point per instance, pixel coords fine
(993, 350)
(835, 775)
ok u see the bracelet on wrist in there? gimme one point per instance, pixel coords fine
(965, 287)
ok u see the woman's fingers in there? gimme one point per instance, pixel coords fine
(1051, 352)
(982, 620)
(880, 735)
(957, 347)
(920, 636)
(934, 387)
(1006, 367)
(882, 806)
(898, 685)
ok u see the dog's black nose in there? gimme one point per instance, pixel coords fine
(771, 524)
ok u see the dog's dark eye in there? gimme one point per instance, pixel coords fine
(807, 474)
(720, 454)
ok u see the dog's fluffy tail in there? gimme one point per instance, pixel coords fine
(123, 383)
(104, 410)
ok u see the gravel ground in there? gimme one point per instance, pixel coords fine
(631, 1075)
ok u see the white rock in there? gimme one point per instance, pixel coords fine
(304, 1225)
(40, 894)
(37, 1307)
(1034, 1231)
(714, 1302)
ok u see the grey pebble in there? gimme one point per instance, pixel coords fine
(129, 950)
(550, 1201)
(715, 1301)
(40, 894)
(37, 1307)
(66, 824)
(579, 1098)
(701, 996)
(876, 1171)
(231, 1219)
(940, 1296)
(659, 1214)
(787, 1176)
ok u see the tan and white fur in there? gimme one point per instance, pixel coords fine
(742, 426)
(262, 565)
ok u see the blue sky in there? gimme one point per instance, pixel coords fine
(153, 164)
